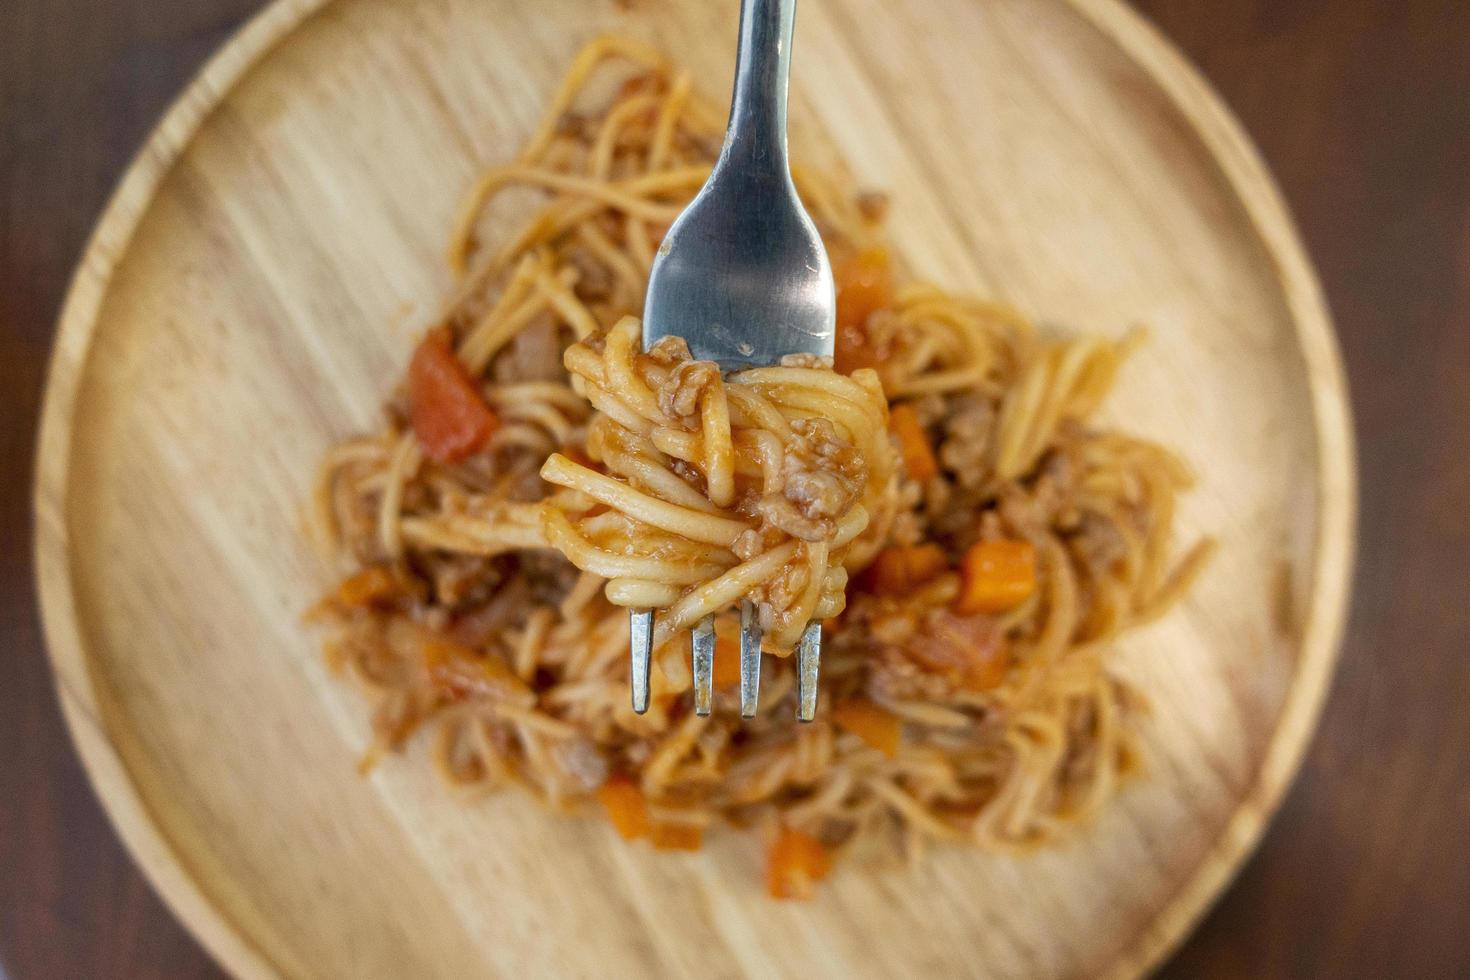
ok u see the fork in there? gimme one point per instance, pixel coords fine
(743, 277)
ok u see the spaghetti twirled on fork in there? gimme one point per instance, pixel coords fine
(937, 497)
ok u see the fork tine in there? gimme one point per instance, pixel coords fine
(750, 659)
(640, 643)
(703, 654)
(808, 658)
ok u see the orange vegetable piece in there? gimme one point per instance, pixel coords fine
(996, 576)
(864, 284)
(626, 809)
(794, 864)
(369, 587)
(870, 722)
(727, 662)
(913, 443)
(676, 836)
(450, 418)
(900, 568)
(989, 665)
(853, 349)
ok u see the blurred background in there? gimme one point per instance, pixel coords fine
(1362, 110)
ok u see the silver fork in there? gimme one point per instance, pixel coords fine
(743, 277)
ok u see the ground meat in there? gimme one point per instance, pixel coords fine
(954, 513)
(504, 606)
(526, 485)
(595, 281)
(1059, 469)
(780, 513)
(773, 600)
(755, 541)
(909, 526)
(459, 578)
(550, 576)
(919, 651)
(893, 676)
(1022, 511)
(818, 493)
(965, 446)
(823, 475)
(1045, 503)
(679, 397)
(666, 351)
(1098, 544)
(821, 481)
(748, 544)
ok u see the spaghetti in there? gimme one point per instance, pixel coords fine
(937, 497)
(711, 490)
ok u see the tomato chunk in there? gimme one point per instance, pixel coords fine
(626, 809)
(900, 568)
(870, 722)
(794, 864)
(727, 662)
(450, 417)
(996, 576)
(913, 443)
(864, 284)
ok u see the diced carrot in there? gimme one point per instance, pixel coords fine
(870, 722)
(372, 586)
(864, 284)
(675, 836)
(901, 568)
(727, 662)
(996, 576)
(968, 649)
(626, 809)
(794, 864)
(913, 443)
(460, 672)
(853, 349)
(450, 418)
(989, 665)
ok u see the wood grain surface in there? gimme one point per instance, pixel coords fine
(233, 317)
(62, 916)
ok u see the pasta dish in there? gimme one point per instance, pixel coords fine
(937, 496)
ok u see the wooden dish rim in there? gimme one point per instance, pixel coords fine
(1211, 122)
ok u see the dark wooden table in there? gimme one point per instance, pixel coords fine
(1362, 108)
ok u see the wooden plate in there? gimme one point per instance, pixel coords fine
(252, 292)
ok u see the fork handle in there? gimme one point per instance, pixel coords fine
(755, 139)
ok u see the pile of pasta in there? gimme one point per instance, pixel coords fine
(700, 491)
(935, 495)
